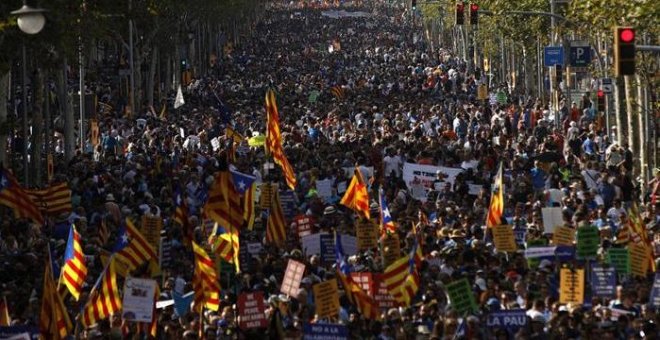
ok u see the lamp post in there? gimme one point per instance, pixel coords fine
(30, 21)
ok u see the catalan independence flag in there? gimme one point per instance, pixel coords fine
(276, 225)
(74, 270)
(224, 204)
(402, 277)
(205, 281)
(249, 211)
(132, 248)
(14, 196)
(274, 140)
(54, 321)
(104, 300)
(54, 200)
(496, 208)
(338, 92)
(181, 216)
(365, 303)
(386, 223)
(356, 196)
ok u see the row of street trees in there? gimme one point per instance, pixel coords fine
(157, 34)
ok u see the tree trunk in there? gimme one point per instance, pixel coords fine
(4, 124)
(37, 127)
(617, 111)
(152, 76)
(67, 112)
(633, 136)
(643, 161)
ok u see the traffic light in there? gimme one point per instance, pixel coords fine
(601, 100)
(184, 64)
(474, 14)
(624, 51)
(460, 13)
(414, 4)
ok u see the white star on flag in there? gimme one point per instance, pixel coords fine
(124, 238)
(241, 185)
(386, 213)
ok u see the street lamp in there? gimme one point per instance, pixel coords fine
(30, 21)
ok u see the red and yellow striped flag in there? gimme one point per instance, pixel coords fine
(205, 281)
(74, 270)
(274, 140)
(5, 319)
(496, 208)
(356, 196)
(54, 200)
(224, 203)
(276, 225)
(54, 322)
(132, 248)
(402, 277)
(249, 206)
(14, 196)
(365, 303)
(104, 300)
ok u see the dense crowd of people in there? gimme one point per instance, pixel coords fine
(366, 91)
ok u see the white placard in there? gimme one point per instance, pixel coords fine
(138, 303)
(254, 249)
(552, 218)
(426, 174)
(341, 187)
(536, 252)
(311, 244)
(324, 188)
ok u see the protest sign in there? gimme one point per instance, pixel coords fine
(266, 194)
(138, 302)
(311, 244)
(603, 281)
(520, 233)
(504, 239)
(571, 286)
(288, 202)
(540, 253)
(381, 295)
(151, 226)
(251, 310)
(511, 320)
(19, 332)
(165, 253)
(327, 248)
(367, 234)
(323, 244)
(292, 277)
(304, 225)
(552, 218)
(588, 241)
(391, 248)
(619, 258)
(425, 174)
(324, 188)
(324, 331)
(565, 253)
(461, 296)
(326, 298)
(655, 291)
(563, 236)
(639, 259)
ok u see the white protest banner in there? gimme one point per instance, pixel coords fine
(552, 218)
(536, 252)
(138, 303)
(426, 174)
(311, 244)
(324, 188)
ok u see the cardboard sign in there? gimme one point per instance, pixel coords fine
(552, 218)
(619, 258)
(292, 277)
(563, 236)
(288, 202)
(324, 331)
(151, 226)
(504, 239)
(511, 320)
(391, 248)
(381, 295)
(588, 241)
(266, 194)
(251, 310)
(655, 291)
(603, 281)
(326, 298)
(639, 259)
(367, 234)
(461, 297)
(327, 248)
(571, 286)
(138, 302)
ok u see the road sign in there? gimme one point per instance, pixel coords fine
(580, 55)
(606, 85)
(553, 55)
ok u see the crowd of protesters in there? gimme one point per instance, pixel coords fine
(399, 103)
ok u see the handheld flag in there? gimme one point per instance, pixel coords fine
(181, 216)
(402, 277)
(224, 202)
(54, 200)
(496, 208)
(179, 101)
(14, 196)
(54, 322)
(205, 281)
(242, 182)
(365, 304)
(274, 140)
(386, 223)
(356, 196)
(74, 270)
(104, 300)
(5, 319)
(276, 226)
(132, 248)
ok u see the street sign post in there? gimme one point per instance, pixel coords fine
(606, 85)
(553, 55)
(580, 55)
